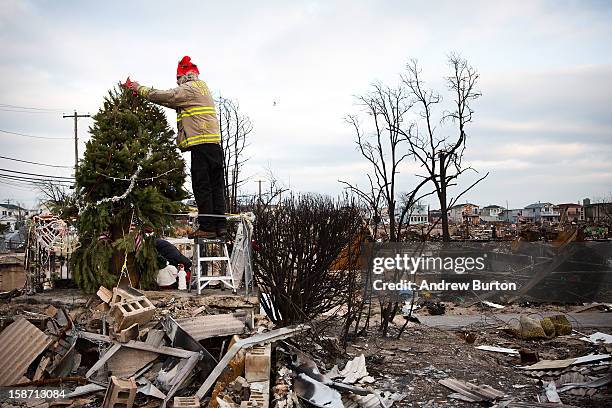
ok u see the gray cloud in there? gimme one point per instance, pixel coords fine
(542, 126)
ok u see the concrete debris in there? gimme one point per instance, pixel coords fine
(120, 393)
(260, 338)
(205, 327)
(257, 363)
(105, 295)
(131, 333)
(130, 311)
(186, 402)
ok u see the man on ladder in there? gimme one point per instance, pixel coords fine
(198, 132)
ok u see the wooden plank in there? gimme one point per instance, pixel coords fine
(100, 363)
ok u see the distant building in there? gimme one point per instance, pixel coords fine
(514, 216)
(435, 216)
(542, 212)
(571, 212)
(12, 215)
(417, 215)
(491, 213)
(597, 212)
(464, 213)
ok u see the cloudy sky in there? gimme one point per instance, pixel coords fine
(543, 127)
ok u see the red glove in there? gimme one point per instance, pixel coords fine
(129, 84)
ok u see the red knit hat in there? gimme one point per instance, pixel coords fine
(185, 66)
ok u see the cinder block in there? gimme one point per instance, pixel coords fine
(257, 363)
(186, 402)
(120, 393)
(260, 396)
(125, 314)
(122, 295)
(104, 294)
(131, 333)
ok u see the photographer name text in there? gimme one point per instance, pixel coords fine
(475, 285)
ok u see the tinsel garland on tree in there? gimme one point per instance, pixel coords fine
(129, 180)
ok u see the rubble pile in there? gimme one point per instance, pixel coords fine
(122, 348)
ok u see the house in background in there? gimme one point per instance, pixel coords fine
(597, 212)
(542, 212)
(571, 212)
(435, 216)
(491, 213)
(513, 216)
(464, 213)
(12, 215)
(418, 215)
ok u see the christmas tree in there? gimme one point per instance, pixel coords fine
(130, 179)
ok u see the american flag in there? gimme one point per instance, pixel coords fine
(137, 237)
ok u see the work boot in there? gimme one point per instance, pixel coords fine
(203, 234)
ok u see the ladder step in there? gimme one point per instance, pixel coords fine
(213, 258)
(210, 241)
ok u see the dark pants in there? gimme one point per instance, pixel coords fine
(171, 254)
(208, 183)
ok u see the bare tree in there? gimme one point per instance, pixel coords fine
(55, 196)
(442, 155)
(235, 128)
(385, 149)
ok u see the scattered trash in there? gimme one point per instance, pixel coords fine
(470, 392)
(550, 393)
(498, 349)
(492, 305)
(555, 364)
(598, 338)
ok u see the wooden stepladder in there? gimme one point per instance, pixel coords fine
(205, 253)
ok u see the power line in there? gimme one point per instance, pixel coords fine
(25, 111)
(6, 105)
(36, 174)
(19, 185)
(31, 162)
(36, 137)
(33, 180)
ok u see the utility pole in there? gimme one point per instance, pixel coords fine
(259, 182)
(76, 116)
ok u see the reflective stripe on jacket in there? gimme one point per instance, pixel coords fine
(195, 112)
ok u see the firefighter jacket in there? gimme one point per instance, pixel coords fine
(195, 112)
